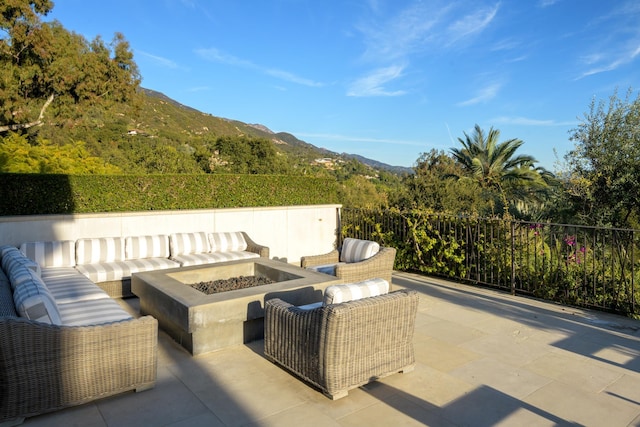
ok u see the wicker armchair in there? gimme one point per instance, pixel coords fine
(379, 265)
(339, 347)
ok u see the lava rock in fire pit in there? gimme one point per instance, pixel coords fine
(223, 285)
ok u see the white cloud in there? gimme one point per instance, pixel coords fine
(483, 95)
(417, 29)
(547, 3)
(215, 55)
(373, 83)
(338, 137)
(473, 23)
(524, 121)
(163, 62)
(605, 62)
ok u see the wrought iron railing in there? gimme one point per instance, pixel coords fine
(575, 265)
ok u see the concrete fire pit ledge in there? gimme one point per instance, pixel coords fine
(202, 323)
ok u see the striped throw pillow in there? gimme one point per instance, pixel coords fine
(141, 247)
(225, 242)
(335, 294)
(356, 250)
(188, 243)
(14, 258)
(102, 249)
(34, 301)
(59, 253)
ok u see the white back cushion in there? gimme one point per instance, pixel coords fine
(189, 243)
(335, 294)
(227, 241)
(102, 249)
(141, 247)
(356, 250)
(59, 253)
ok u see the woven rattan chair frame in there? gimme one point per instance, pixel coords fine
(339, 347)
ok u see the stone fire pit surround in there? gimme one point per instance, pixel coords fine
(202, 323)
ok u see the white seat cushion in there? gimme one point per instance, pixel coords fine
(72, 287)
(336, 294)
(186, 260)
(356, 250)
(94, 312)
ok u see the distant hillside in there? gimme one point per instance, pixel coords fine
(285, 141)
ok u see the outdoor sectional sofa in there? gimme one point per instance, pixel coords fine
(64, 340)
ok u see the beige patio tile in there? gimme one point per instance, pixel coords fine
(574, 370)
(514, 381)
(168, 402)
(395, 411)
(427, 384)
(451, 333)
(442, 355)
(577, 406)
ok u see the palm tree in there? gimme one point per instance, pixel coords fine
(496, 166)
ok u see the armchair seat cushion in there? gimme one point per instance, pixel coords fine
(329, 269)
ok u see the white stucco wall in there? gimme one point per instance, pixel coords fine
(290, 231)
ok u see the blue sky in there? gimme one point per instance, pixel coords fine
(385, 79)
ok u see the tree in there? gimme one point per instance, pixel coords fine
(604, 166)
(497, 168)
(439, 184)
(45, 69)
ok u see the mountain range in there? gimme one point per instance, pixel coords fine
(286, 141)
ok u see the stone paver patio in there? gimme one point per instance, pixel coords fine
(484, 358)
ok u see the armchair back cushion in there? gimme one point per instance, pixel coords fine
(336, 294)
(58, 253)
(227, 241)
(356, 250)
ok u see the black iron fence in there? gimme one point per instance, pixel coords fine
(575, 265)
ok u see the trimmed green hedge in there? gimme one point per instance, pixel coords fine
(37, 194)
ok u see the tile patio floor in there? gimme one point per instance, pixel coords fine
(483, 359)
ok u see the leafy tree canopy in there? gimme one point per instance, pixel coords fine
(604, 166)
(43, 65)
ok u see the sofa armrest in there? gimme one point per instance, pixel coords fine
(292, 338)
(47, 367)
(380, 265)
(332, 257)
(252, 246)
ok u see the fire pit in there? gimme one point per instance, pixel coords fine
(202, 323)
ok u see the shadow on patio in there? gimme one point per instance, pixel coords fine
(483, 358)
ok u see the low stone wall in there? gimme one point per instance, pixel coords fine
(290, 231)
